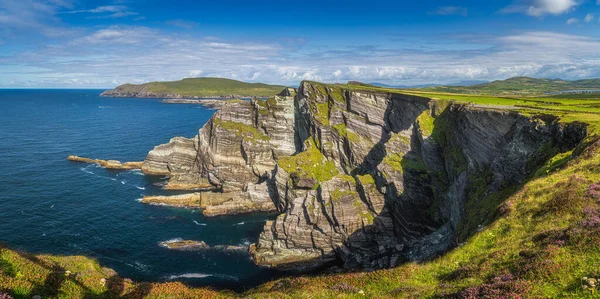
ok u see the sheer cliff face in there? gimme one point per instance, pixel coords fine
(361, 178)
(407, 171)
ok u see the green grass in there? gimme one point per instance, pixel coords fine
(242, 130)
(205, 87)
(310, 163)
(522, 85)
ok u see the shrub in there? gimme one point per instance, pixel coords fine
(504, 286)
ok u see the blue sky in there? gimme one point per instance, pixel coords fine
(101, 44)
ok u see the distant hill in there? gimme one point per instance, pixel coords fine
(195, 88)
(522, 85)
(461, 83)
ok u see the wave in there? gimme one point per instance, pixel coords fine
(201, 275)
(138, 266)
(198, 223)
(105, 107)
(136, 172)
(140, 188)
(139, 199)
(189, 275)
(172, 241)
(85, 169)
(123, 182)
(239, 223)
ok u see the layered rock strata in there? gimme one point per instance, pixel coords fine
(406, 170)
(362, 177)
(231, 160)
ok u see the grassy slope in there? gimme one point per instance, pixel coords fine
(521, 85)
(545, 240)
(204, 87)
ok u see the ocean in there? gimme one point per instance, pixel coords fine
(54, 206)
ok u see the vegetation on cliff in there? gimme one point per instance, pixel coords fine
(197, 87)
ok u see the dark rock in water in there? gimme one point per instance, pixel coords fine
(184, 245)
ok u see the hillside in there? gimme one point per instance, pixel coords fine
(512, 183)
(522, 85)
(195, 88)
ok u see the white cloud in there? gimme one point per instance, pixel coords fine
(589, 18)
(26, 18)
(107, 11)
(119, 35)
(118, 54)
(572, 21)
(450, 10)
(182, 23)
(538, 8)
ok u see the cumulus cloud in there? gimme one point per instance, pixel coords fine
(572, 21)
(538, 8)
(589, 18)
(450, 10)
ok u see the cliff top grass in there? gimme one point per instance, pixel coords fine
(242, 130)
(205, 87)
(310, 163)
(523, 85)
(25, 275)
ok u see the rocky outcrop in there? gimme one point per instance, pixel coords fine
(109, 164)
(362, 177)
(186, 245)
(231, 160)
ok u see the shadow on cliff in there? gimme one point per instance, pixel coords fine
(439, 189)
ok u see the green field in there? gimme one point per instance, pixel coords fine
(522, 85)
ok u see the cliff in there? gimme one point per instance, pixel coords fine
(195, 88)
(232, 158)
(367, 178)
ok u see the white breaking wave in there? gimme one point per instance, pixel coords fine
(198, 223)
(172, 240)
(240, 223)
(85, 169)
(139, 199)
(123, 182)
(189, 275)
(141, 188)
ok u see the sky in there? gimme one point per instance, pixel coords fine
(102, 44)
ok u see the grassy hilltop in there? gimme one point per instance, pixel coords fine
(197, 87)
(522, 85)
(544, 240)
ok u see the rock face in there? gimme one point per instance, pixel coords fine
(406, 170)
(110, 164)
(362, 178)
(232, 158)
